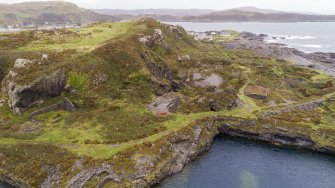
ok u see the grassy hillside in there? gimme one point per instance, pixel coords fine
(253, 16)
(112, 77)
(54, 12)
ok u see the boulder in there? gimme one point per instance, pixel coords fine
(184, 58)
(22, 63)
(165, 104)
(156, 38)
(177, 30)
(212, 80)
(22, 97)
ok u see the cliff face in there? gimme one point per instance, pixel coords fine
(23, 97)
(128, 104)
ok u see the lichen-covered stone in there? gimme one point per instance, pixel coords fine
(22, 97)
(167, 103)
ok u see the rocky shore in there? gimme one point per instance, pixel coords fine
(321, 61)
(131, 111)
(324, 62)
(281, 139)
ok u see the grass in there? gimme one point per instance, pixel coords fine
(78, 81)
(88, 39)
(115, 87)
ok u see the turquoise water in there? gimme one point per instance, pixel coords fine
(237, 163)
(305, 36)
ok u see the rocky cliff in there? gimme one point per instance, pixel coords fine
(128, 104)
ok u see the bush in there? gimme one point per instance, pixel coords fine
(78, 81)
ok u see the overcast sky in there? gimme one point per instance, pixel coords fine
(318, 6)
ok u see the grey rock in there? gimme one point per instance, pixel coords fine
(85, 175)
(65, 104)
(156, 38)
(308, 106)
(184, 58)
(212, 80)
(167, 103)
(197, 76)
(22, 63)
(257, 43)
(213, 106)
(22, 97)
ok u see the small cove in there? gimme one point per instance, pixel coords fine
(239, 163)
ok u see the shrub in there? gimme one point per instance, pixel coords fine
(78, 81)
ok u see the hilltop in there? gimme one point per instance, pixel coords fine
(53, 12)
(127, 104)
(241, 14)
(170, 12)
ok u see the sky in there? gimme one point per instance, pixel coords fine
(315, 6)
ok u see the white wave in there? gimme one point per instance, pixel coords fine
(290, 37)
(316, 46)
(299, 37)
(271, 40)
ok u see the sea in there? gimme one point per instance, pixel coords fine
(306, 36)
(239, 163)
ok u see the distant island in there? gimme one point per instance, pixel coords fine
(243, 14)
(128, 104)
(62, 14)
(53, 13)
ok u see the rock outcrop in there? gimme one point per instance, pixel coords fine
(165, 104)
(308, 106)
(320, 61)
(65, 104)
(185, 146)
(273, 135)
(276, 138)
(156, 38)
(84, 176)
(213, 80)
(176, 151)
(22, 97)
(257, 92)
(22, 63)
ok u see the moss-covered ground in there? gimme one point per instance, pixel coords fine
(104, 63)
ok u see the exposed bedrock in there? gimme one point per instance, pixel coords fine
(22, 97)
(277, 138)
(178, 150)
(320, 61)
(168, 103)
(65, 104)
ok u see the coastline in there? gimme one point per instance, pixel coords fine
(320, 61)
(324, 62)
(136, 166)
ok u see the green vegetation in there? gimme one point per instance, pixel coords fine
(107, 66)
(78, 81)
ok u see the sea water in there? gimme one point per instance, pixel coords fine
(240, 163)
(305, 36)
